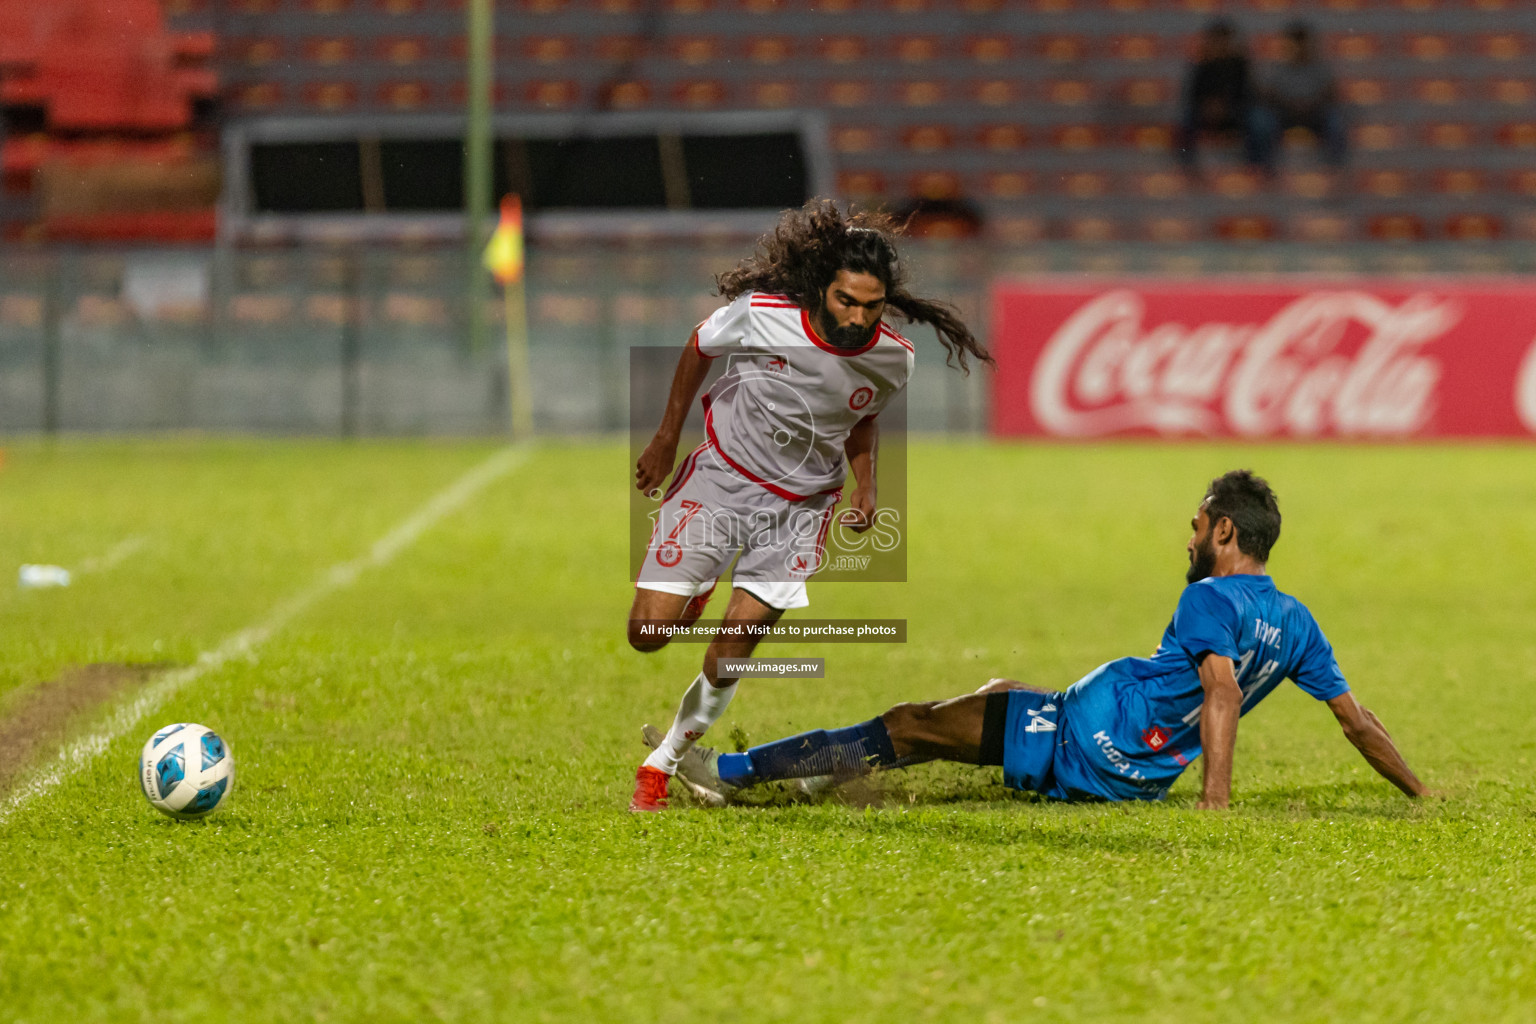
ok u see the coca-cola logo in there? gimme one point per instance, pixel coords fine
(1329, 362)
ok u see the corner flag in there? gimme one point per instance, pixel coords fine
(504, 253)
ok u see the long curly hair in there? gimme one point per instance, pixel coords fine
(810, 245)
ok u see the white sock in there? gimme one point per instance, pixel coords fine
(701, 708)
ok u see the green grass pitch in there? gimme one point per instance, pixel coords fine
(434, 761)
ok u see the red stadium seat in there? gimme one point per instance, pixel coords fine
(1002, 138)
(687, 6)
(628, 95)
(1355, 47)
(849, 93)
(1078, 138)
(1504, 46)
(1386, 184)
(618, 7)
(1376, 137)
(1524, 183)
(552, 95)
(402, 51)
(855, 139)
(1086, 184)
(770, 49)
(325, 7)
(1149, 138)
(834, 6)
(1063, 49)
(861, 184)
(255, 6)
(774, 95)
(695, 50)
(907, 6)
(1430, 47)
(927, 138)
(1008, 184)
(330, 50)
(1136, 48)
(404, 95)
(619, 49)
(842, 49)
(920, 93)
(1440, 92)
(996, 92)
(1514, 92)
(1246, 228)
(1449, 135)
(990, 49)
(1473, 227)
(1162, 184)
(935, 185)
(1322, 227)
(256, 96)
(918, 49)
(762, 6)
(1519, 135)
(1396, 227)
(1418, 5)
(1460, 182)
(704, 94)
(331, 95)
(535, 6)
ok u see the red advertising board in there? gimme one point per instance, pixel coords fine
(1312, 359)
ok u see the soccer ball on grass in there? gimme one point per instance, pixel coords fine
(186, 770)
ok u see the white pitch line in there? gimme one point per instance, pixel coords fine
(76, 755)
(114, 556)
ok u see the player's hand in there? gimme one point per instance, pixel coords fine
(655, 465)
(860, 514)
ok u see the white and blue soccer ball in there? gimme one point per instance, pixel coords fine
(186, 770)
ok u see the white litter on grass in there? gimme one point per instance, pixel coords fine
(33, 577)
(115, 556)
(76, 755)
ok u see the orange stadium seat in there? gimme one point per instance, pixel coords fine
(1071, 92)
(1386, 184)
(1430, 47)
(921, 93)
(1091, 229)
(542, 6)
(1062, 49)
(1307, 184)
(1136, 48)
(1461, 182)
(1378, 136)
(1473, 227)
(329, 50)
(861, 184)
(1247, 228)
(918, 49)
(1322, 227)
(1355, 47)
(1396, 227)
(849, 93)
(402, 51)
(404, 95)
(1168, 230)
(1449, 135)
(1237, 183)
(1078, 138)
(927, 138)
(1161, 184)
(1019, 230)
(907, 6)
(769, 49)
(399, 8)
(1008, 184)
(700, 94)
(1518, 135)
(855, 139)
(1147, 92)
(255, 7)
(996, 92)
(1514, 92)
(627, 95)
(774, 95)
(990, 49)
(1504, 46)
(325, 7)
(1523, 183)
(842, 49)
(1149, 138)
(331, 95)
(695, 50)
(619, 48)
(1002, 138)
(256, 52)
(935, 185)
(552, 94)
(1086, 184)
(1364, 92)
(255, 96)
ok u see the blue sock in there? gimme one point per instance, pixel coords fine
(842, 752)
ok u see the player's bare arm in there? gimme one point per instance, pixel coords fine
(656, 462)
(1370, 737)
(1218, 729)
(860, 449)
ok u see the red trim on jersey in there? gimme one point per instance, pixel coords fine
(898, 339)
(774, 305)
(826, 527)
(681, 477)
(810, 332)
(709, 430)
(693, 340)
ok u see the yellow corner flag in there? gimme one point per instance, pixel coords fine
(504, 253)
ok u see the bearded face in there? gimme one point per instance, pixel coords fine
(1202, 556)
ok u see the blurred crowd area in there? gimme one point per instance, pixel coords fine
(1328, 121)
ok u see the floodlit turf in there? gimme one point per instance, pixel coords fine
(433, 762)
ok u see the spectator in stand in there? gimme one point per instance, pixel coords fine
(1218, 94)
(1299, 92)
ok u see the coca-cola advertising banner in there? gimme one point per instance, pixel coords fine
(1298, 360)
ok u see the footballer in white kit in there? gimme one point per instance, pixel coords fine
(809, 366)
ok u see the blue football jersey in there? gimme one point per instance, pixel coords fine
(1132, 726)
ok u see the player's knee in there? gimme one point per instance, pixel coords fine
(907, 724)
(645, 637)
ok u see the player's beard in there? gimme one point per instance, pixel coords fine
(1202, 561)
(851, 336)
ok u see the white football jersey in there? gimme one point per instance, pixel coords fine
(784, 406)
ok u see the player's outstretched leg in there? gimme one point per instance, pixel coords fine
(704, 701)
(907, 734)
